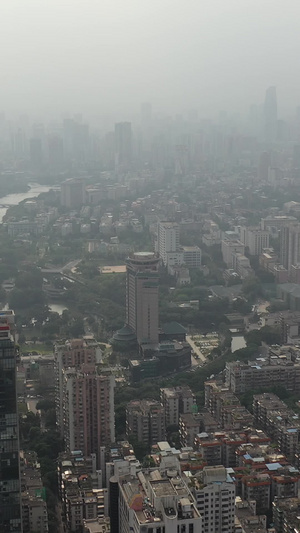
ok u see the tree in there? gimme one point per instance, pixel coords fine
(269, 335)
(252, 288)
(45, 405)
(141, 449)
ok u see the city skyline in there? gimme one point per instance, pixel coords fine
(106, 58)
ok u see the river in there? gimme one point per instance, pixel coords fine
(16, 198)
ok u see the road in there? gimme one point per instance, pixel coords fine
(195, 362)
(71, 265)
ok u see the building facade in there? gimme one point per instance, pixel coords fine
(167, 239)
(155, 503)
(71, 354)
(215, 497)
(72, 193)
(145, 420)
(142, 295)
(88, 409)
(176, 401)
(10, 495)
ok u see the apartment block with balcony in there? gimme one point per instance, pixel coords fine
(286, 515)
(263, 373)
(81, 493)
(88, 409)
(145, 420)
(156, 502)
(34, 507)
(71, 354)
(280, 423)
(215, 497)
(176, 401)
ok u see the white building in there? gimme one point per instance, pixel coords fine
(229, 247)
(276, 221)
(176, 401)
(215, 497)
(157, 501)
(255, 238)
(241, 265)
(167, 239)
(192, 256)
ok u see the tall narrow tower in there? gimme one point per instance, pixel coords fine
(142, 295)
(270, 114)
(123, 144)
(10, 495)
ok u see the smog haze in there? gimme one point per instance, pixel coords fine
(106, 56)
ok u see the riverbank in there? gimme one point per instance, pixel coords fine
(32, 191)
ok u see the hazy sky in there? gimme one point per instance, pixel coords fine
(102, 56)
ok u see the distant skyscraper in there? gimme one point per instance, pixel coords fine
(270, 114)
(142, 295)
(296, 156)
(56, 152)
(123, 144)
(290, 245)
(146, 113)
(10, 497)
(36, 153)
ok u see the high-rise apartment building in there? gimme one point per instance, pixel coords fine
(290, 245)
(71, 354)
(123, 144)
(156, 502)
(215, 497)
(88, 409)
(167, 239)
(255, 238)
(176, 401)
(142, 295)
(230, 247)
(145, 420)
(72, 192)
(10, 498)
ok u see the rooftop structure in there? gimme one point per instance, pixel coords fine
(157, 499)
(263, 372)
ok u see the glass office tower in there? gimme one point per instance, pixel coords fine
(10, 496)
